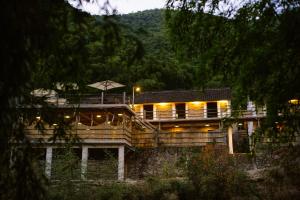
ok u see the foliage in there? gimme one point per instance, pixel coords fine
(215, 175)
(281, 179)
(160, 68)
(255, 45)
(43, 42)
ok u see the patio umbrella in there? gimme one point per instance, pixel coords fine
(106, 85)
(43, 93)
(64, 86)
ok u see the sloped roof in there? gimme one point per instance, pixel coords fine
(183, 95)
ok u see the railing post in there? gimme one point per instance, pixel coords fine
(124, 98)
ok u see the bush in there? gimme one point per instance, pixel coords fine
(214, 174)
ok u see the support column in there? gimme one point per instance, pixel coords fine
(250, 132)
(48, 162)
(229, 109)
(230, 140)
(121, 164)
(84, 161)
(219, 109)
(155, 113)
(205, 110)
(174, 111)
(186, 110)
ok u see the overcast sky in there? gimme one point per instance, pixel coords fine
(123, 6)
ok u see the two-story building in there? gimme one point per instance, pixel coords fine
(157, 119)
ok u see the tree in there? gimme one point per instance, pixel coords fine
(43, 42)
(255, 44)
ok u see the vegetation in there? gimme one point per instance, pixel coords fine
(255, 45)
(44, 42)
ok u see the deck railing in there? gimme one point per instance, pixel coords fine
(101, 98)
(198, 114)
(88, 134)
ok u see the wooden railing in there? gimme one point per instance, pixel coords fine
(87, 134)
(198, 114)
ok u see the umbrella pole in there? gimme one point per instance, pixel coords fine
(102, 97)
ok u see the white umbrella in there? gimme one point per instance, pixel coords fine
(43, 93)
(106, 85)
(63, 86)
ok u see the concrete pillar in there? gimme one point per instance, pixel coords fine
(84, 161)
(121, 163)
(250, 132)
(230, 140)
(48, 162)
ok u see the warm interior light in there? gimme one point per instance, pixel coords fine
(240, 124)
(98, 116)
(108, 122)
(196, 102)
(276, 122)
(54, 124)
(120, 114)
(67, 116)
(294, 101)
(137, 89)
(38, 118)
(163, 104)
(207, 125)
(176, 126)
(223, 101)
(79, 123)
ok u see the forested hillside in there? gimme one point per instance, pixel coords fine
(160, 67)
(154, 65)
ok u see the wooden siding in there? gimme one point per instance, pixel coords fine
(104, 133)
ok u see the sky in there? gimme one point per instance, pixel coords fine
(122, 6)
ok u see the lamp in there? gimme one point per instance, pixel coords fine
(134, 89)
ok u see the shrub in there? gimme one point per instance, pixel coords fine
(214, 174)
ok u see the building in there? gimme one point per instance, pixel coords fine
(157, 119)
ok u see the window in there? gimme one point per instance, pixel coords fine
(180, 110)
(212, 109)
(148, 111)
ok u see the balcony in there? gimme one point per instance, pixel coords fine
(200, 114)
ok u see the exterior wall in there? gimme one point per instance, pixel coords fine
(196, 109)
(163, 110)
(138, 109)
(223, 108)
(193, 110)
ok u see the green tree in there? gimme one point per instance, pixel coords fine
(43, 42)
(255, 46)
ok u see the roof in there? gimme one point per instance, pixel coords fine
(184, 95)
